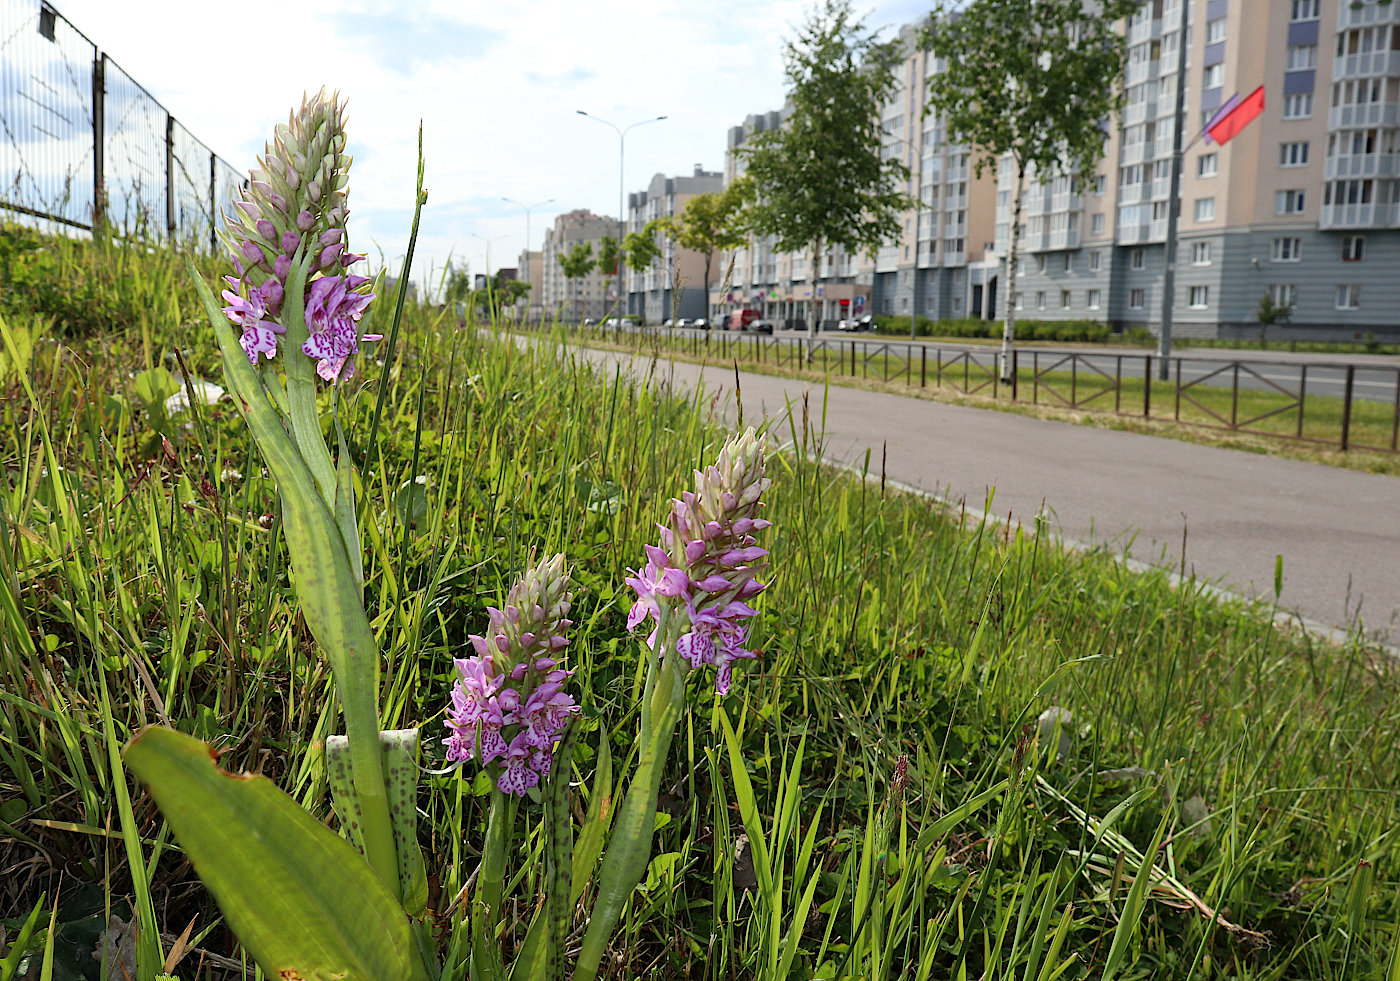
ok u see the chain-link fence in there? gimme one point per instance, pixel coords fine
(82, 143)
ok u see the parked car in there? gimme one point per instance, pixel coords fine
(740, 319)
(590, 322)
(701, 323)
(667, 323)
(685, 322)
(760, 326)
(857, 324)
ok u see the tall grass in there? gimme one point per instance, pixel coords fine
(875, 798)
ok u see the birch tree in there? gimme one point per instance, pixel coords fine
(1037, 81)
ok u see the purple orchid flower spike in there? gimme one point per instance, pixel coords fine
(509, 706)
(251, 313)
(710, 562)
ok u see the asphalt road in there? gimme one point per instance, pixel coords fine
(1375, 377)
(1337, 530)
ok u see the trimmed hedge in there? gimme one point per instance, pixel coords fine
(1027, 330)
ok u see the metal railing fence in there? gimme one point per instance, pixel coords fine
(83, 144)
(1347, 406)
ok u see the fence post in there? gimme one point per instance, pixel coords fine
(1015, 373)
(923, 369)
(170, 176)
(213, 204)
(1302, 396)
(1346, 407)
(1177, 417)
(1147, 386)
(99, 130)
(1235, 398)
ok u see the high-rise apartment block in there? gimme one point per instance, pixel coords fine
(674, 285)
(585, 296)
(1302, 206)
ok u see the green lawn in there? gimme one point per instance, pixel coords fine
(1221, 803)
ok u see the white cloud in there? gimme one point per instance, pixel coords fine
(495, 85)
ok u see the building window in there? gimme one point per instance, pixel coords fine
(1100, 183)
(1199, 297)
(1302, 57)
(1065, 262)
(1095, 260)
(1353, 248)
(1213, 77)
(1139, 259)
(1096, 224)
(1305, 10)
(1205, 209)
(1020, 302)
(1040, 264)
(1293, 154)
(1349, 297)
(1297, 106)
(1159, 211)
(1215, 31)
(1288, 202)
(1283, 294)
(1200, 253)
(1064, 299)
(1093, 299)
(1286, 250)
(1040, 300)
(1136, 298)
(1206, 165)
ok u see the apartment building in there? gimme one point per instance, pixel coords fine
(1302, 206)
(531, 270)
(586, 296)
(674, 285)
(780, 284)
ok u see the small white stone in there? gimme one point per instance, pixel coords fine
(1056, 719)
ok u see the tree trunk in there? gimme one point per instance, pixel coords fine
(709, 257)
(1008, 331)
(812, 323)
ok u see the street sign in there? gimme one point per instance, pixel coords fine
(860, 302)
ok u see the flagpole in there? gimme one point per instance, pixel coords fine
(1164, 346)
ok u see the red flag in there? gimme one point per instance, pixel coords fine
(1238, 118)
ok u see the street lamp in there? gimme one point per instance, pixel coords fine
(528, 208)
(621, 150)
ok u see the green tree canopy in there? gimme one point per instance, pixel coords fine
(1033, 79)
(821, 180)
(710, 223)
(577, 263)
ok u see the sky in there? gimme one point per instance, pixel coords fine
(496, 87)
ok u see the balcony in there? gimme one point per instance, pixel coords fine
(1132, 193)
(1064, 239)
(1364, 115)
(1359, 216)
(1065, 201)
(1137, 113)
(1147, 29)
(1365, 15)
(1131, 234)
(1366, 64)
(954, 258)
(1143, 71)
(1362, 165)
(1136, 153)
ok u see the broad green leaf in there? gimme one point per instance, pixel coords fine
(296, 894)
(400, 748)
(331, 596)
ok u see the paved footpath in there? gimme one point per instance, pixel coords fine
(1337, 530)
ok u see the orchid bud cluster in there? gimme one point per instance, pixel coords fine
(290, 234)
(509, 706)
(708, 562)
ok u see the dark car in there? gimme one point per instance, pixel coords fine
(760, 326)
(701, 323)
(857, 324)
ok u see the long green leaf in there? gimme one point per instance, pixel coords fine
(296, 894)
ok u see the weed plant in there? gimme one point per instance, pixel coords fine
(884, 794)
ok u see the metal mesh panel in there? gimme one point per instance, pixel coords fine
(194, 189)
(228, 184)
(46, 133)
(135, 156)
(158, 180)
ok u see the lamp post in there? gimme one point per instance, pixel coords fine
(621, 151)
(528, 208)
